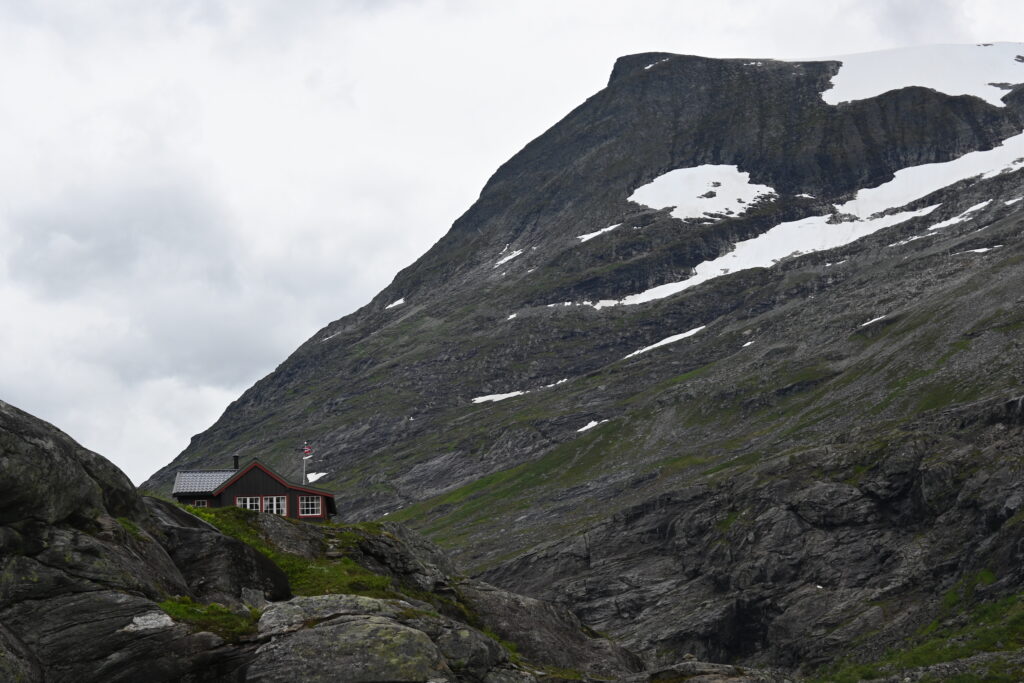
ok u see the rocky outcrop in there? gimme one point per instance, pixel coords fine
(90, 575)
(80, 577)
(216, 568)
(543, 634)
(374, 640)
(546, 633)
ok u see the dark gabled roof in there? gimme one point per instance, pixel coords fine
(200, 481)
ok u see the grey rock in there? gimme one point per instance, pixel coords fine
(355, 649)
(17, 663)
(546, 633)
(80, 575)
(298, 539)
(299, 612)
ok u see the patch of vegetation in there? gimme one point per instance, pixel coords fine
(307, 577)
(724, 525)
(657, 389)
(567, 464)
(214, 617)
(746, 460)
(963, 591)
(996, 626)
(998, 671)
(132, 528)
(560, 674)
(941, 394)
(678, 464)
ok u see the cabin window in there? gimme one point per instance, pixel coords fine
(275, 504)
(198, 503)
(309, 506)
(248, 502)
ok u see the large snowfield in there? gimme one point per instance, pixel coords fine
(951, 69)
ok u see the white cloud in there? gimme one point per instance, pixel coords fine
(191, 188)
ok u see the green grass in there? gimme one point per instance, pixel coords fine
(567, 464)
(724, 525)
(960, 631)
(214, 617)
(306, 577)
(131, 527)
(746, 460)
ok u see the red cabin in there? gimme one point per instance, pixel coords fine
(253, 487)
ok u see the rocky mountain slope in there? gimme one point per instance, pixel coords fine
(726, 361)
(97, 583)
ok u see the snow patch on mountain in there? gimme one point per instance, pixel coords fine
(917, 181)
(694, 192)
(396, 302)
(910, 239)
(951, 69)
(666, 340)
(592, 235)
(506, 259)
(498, 397)
(962, 217)
(982, 250)
(591, 425)
(784, 240)
(654, 64)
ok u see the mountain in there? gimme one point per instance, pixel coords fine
(728, 361)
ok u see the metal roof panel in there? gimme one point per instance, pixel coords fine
(200, 481)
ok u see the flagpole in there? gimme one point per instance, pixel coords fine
(307, 453)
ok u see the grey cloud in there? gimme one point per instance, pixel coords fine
(908, 22)
(104, 238)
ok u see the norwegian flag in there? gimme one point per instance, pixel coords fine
(307, 451)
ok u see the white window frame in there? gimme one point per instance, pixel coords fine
(246, 502)
(269, 503)
(307, 503)
(200, 503)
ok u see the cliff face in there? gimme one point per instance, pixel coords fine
(81, 577)
(681, 421)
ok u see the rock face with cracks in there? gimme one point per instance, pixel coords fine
(80, 574)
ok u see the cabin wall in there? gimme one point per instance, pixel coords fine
(256, 482)
(194, 499)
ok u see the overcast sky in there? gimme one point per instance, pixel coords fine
(190, 189)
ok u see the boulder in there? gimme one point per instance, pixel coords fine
(314, 638)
